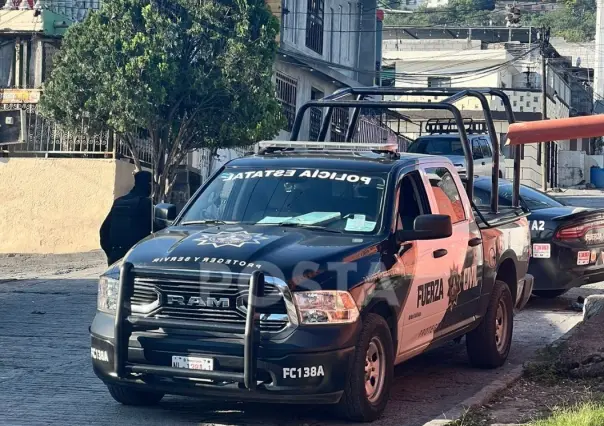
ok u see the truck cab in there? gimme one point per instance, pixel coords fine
(443, 139)
(303, 274)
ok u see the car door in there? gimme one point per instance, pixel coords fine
(425, 265)
(463, 266)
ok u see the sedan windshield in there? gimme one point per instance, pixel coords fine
(333, 200)
(437, 146)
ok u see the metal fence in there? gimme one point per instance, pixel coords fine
(40, 136)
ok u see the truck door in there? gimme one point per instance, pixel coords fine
(488, 155)
(424, 265)
(464, 259)
(479, 160)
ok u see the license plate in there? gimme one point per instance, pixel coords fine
(541, 251)
(193, 363)
(583, 258)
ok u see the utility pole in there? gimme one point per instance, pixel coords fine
(546, 146)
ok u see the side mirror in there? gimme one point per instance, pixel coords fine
(427, 227)
(164, 214)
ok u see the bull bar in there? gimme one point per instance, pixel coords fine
(126, 324)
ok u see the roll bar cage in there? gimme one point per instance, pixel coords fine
(359, 95)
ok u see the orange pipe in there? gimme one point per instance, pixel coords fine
(588, 126)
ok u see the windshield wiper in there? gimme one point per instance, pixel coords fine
(303, 225)
(207, 222)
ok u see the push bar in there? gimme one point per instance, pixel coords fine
(126, 324)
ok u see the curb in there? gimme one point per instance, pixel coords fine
(488, 392)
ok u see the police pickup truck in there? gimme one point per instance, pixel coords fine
(303, 274)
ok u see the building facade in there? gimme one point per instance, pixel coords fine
(503, 58)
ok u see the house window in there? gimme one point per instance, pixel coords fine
(314, 25)
(521, 98)
(439, 81)
(287, 93)
(316, 115)
(339, 124)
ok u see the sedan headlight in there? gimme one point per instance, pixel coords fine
(107, 296)
(326, 307)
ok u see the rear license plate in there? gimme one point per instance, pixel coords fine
(541, 251)
(583, 258)
(193, 363)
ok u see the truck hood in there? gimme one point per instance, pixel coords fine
(285, 253)
(457, 159)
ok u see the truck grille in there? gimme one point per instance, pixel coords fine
(216, 301)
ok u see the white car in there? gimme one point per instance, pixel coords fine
(449, 145)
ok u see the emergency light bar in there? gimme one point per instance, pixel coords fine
(329, 146)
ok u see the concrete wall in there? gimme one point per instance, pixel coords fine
(57, 205)
(306, 81)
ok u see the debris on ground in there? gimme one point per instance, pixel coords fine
(563, 381)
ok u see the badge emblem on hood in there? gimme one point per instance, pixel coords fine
(233, 239)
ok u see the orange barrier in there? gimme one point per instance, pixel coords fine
(588, 126)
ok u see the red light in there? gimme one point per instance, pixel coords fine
(571, 233)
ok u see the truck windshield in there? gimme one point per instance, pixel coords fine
(337, 200)
(437, 146)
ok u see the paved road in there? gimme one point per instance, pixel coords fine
(46, 378)
(45, 374)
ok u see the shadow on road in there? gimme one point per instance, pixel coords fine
(46, 375)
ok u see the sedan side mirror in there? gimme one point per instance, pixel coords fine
(164, 214)
(427, 227)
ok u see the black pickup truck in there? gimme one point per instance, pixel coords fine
(304, 272)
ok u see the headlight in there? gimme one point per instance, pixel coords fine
(326, 307)
(107, 296)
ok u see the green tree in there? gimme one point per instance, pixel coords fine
(575, 20)
(187, 74)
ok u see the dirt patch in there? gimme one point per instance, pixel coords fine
(36, 266)
(562, 375)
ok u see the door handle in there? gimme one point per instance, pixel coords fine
(475, 242)
(439, 253)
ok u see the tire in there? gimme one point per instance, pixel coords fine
(129, 396)
(358, 403)
(489, 345)
(549, 294)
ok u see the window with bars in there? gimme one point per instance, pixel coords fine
(339, 124)
(314, 25)
(316, 115)
(287, 93)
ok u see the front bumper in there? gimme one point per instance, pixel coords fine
(309, 365)
(326, 387)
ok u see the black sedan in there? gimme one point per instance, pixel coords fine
(567, 241)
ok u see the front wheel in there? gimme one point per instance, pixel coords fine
(368, 384)
(489, 344)
(129, 396)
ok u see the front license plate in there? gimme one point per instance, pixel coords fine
(193, 363)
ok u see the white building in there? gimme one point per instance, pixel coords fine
(468, 63)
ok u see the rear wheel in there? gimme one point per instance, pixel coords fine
(368, 384)
(549, 294)
(130, 396)
(489, 344)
